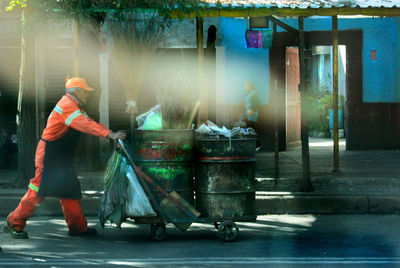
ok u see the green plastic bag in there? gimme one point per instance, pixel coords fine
(153, 121)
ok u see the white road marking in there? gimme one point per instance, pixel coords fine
(202, 261)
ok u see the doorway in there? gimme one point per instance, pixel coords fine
(357, 114)
(321, 91)
(293, 103)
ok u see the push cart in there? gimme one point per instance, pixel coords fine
(223, 190)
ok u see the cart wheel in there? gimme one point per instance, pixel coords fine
(228, 231)
(216, 225)
(158, 231)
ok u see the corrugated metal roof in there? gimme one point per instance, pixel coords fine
(315, 4)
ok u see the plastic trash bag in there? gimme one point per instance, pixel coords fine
(113, 202)
(204, 129)
(221, 131)
(214, 130)
(141, 118)
(211, 124)
(151, 120)
(137, 204)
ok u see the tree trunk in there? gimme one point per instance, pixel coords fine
(26, 121)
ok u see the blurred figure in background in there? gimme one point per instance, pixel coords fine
(251, 106)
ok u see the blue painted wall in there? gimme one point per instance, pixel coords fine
(243, 64)
(380, 77)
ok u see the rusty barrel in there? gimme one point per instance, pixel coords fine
(225, 177)
(167, 156)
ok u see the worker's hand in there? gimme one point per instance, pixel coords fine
(116, 135)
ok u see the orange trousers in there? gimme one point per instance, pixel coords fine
(72, 208)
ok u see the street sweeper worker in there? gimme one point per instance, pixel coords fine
(55, 174)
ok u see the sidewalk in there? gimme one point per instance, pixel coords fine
(369, 182)
(375, 171)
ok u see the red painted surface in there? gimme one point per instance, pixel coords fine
(157, 151)
(373, 54)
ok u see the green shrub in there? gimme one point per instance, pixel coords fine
(319, 102)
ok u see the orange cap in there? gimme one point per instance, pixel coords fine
(78, 82)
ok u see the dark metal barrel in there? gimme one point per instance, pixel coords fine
(166, 156)
(225, 177)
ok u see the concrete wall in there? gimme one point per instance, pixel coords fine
(243, 64)
(182, 34)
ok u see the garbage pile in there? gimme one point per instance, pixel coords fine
(212, 130)
(152, 120)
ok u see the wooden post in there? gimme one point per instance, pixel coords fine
(335, 95)
(276, 135)
(203, 94)
(76, 47)
(305, 150)
(276, 113)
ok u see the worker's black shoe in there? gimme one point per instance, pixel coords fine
(89, 232)
(15, 234)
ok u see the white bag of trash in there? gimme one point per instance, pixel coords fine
(137, 204)
(204, 129)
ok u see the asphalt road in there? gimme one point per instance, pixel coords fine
(272, 241)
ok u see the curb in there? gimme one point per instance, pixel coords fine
(266, 203)
(327, 203)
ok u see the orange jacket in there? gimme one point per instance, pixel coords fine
(68, 114)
